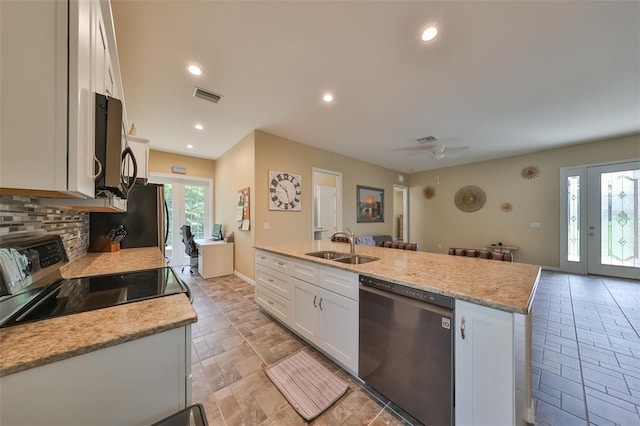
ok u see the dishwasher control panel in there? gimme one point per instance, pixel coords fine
(413, 293)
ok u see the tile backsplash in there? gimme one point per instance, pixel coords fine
(19, 215)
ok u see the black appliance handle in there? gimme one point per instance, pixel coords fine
(128, 182)
(166, 215)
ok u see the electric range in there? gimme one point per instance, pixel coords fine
(32, 288)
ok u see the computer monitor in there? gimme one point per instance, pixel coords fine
(217, 231)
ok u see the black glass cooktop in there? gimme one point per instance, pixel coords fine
(70, 296)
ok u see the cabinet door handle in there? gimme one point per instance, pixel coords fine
(99, 172)
(320, 303)
(270, 302)
(314, 301)
(462, 333)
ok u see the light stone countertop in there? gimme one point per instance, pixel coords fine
(38, 343)
(500, 285)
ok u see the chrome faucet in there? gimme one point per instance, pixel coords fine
(351, 236)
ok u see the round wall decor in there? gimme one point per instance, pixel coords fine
(470, 198)
(530, 172)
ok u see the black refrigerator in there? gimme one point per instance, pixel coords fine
(146, 220)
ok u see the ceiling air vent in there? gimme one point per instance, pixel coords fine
(207, 96)
(427, 139)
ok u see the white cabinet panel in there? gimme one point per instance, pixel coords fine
(484, 363)
(140, 148)
(134, 383)
(338, 328)
(328, 320)
(305, 304)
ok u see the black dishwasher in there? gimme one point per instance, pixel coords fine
(406, 348)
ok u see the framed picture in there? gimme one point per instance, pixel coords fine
(370, 204)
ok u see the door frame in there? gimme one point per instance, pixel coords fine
(581, 266)
(338, 176)
(405, 211)
(161, 178)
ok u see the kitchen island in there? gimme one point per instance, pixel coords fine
(128, 363)
(492, 315)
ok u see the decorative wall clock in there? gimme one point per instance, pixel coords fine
(285, 191)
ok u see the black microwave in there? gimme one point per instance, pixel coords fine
(110, 156)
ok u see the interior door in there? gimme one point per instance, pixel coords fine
(327, 210)
(613, 218)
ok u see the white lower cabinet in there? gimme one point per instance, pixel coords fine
(328, 320)
(317, 302)
(490, 367)
(338, 328)
(133, 383)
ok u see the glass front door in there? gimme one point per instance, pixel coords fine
(613, 220)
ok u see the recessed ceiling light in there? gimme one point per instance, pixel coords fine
(328, 97)
(429, 34)
(194, 69)
(190, 146)
(198, 127)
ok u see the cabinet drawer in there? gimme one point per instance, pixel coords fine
(274, 281)
(276, 305)
(305, 271)
(338, 281)
(263, 258)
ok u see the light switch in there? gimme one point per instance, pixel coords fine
(535, 224)
(266, 225)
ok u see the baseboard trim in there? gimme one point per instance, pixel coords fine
(244, 278)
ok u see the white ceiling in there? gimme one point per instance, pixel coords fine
(502, 77)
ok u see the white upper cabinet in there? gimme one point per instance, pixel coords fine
(50, 71)
(140, 148)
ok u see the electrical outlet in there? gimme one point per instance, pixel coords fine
(266, 225)
(535, 224)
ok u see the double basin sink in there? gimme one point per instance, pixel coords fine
(353, 259)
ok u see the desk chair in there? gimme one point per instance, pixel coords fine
(190, 248)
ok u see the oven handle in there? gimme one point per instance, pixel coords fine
(184, 285)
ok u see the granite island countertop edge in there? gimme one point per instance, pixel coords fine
(505, 286)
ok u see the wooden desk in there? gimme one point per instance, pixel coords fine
(215, 258)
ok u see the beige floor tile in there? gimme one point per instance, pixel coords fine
(233, 343)
(287, 416)
(271, 401)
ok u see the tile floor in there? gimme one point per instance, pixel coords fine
(586, 350)
(233, 343)
(586, 357)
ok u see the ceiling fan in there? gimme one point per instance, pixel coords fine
(436, 149)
